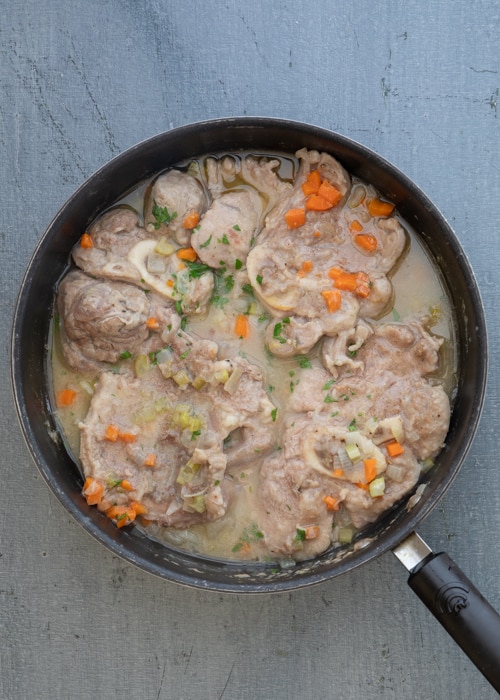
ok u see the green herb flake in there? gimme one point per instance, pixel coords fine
(126, 355)
(304, 362)
(258, 279)
(248, 289)
(206, 243)
(274, 413)
(278, 327)
(236, 227)
(225, 240)
(300, 535)
(162, 215)
(197, 269)
(238, 264)
(352, 426)
(329, 384)
(195, 434)
(329, 399)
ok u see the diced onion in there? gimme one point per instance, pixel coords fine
(395, 472)
(155, 264)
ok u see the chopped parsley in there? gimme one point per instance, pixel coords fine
(162, 215)
(238, 264)
(236, 227)
(258, 279)
(274, 413)
(126, 355)
(206, 243)
(304, 362)
(277, 331)
(197, 269)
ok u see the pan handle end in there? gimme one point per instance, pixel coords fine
(456, 603)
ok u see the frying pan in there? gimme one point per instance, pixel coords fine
(451, 597)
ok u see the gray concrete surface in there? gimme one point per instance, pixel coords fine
(419, 82)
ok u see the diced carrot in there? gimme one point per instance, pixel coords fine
(311, 532)
(394, 448)
(358, 282)
(370, 469)
(111, 433)
(330, 193)
(123, 515)
(366, 241)
(241, 326)
(377, 207)
(317, 234)
(65, 397)
(295, 218)
(152, 324)
(338, 473)
(191, 220)
(150, 460)
(86, 241)
(335, 272)
(127, 437)
(312, 183)
(347, 281)
(125, 484)
(181, 266)
(362, 285)
(360, 485)
(187, 254)
(317, 203)
(355, 226)
(306, 267)
(138, 508)
(93, 491)
(331, 502)
(170, 283)
(333, 299)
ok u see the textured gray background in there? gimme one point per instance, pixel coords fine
(80, 82)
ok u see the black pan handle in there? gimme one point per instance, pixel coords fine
(456, 603)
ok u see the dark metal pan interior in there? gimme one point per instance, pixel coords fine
(31, 329)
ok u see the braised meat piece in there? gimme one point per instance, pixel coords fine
(100, 320)
(356, 446)
(119, 248)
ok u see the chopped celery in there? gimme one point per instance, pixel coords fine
(141, 365)
(377, 487)
(164, 247)
(181, 378)
(196, 503)
(187, 473)
(222, 376)
(353, 452)
(198, 383)
(345, 535)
